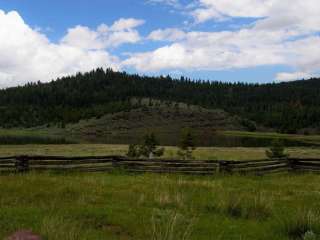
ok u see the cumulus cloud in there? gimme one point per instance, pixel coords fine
(284, 32)
(169, 34)
(287, 76)
(122, 31)
(220, 9)
(213, 51)
(126, 24)
(28, 55)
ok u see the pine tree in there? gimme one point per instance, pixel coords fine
(187, 144)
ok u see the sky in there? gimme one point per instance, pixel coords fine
(237, 41)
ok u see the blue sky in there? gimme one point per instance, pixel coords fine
(244, 40)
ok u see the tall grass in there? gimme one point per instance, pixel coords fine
(304, 224)
(168, 225)
(160, 207)
(239, 205)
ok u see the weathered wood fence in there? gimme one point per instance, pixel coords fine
(20, 164)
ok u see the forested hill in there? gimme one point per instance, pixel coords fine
(284, 106)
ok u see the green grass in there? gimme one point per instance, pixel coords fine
(159, 207)
(204, 153)
(313, 139)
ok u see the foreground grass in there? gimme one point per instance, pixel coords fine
(120, 206)
(210, 153)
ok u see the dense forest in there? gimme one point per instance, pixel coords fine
(286, 107)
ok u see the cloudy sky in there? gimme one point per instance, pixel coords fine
(228, 40)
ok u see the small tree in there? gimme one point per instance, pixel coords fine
(133, 151)
(277, 150)
(187, 144)
(150, 147)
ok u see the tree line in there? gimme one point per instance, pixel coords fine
(286, 107)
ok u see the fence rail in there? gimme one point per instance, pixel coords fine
(18, 164)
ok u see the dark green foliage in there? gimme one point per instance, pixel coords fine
(133, 151)
(21, 140)
(250, 125)
(149, 148)
(277, 150)
(187, 144)
(286, 107)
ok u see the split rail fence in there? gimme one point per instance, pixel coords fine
(20, 164)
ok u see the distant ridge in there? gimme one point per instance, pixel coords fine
(287, 107)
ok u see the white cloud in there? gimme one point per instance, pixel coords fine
(169, 34)
(298, 14)
(122, 31)
(28, 55)
(83, 37)
(285, 32)
(287, 77)
(215, 51)
(219, 9)
(126, 24)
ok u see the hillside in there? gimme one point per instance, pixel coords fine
(286, 107)
(165, 121)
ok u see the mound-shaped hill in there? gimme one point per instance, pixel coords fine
(166, 121)
(286, 107)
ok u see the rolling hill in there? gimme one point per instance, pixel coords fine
(165, 121)
(285, 107)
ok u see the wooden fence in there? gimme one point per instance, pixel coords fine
(19, 164)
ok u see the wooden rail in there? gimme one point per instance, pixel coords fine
(20, 164)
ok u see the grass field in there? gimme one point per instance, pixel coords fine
(158, 207)
(204, 153)
(313, 139)
(120, 206)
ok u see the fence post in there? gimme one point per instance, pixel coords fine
(224, 167)
(22, 164)
(115, 163)
(292, 164)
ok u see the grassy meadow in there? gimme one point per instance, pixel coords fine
(122, 206)
(201, 153)
(160, 207)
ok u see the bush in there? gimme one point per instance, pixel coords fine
(249, 125)
(133, 151)
(149, 148)
(277, 150)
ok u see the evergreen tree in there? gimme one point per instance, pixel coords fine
(187, 145)
(150, 147)
(286, 107)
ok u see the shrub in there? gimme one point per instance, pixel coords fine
(149, 148)
(277, 150)
(249, 125)
(133, 151)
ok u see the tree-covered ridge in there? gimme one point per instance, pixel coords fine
(284, 106)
